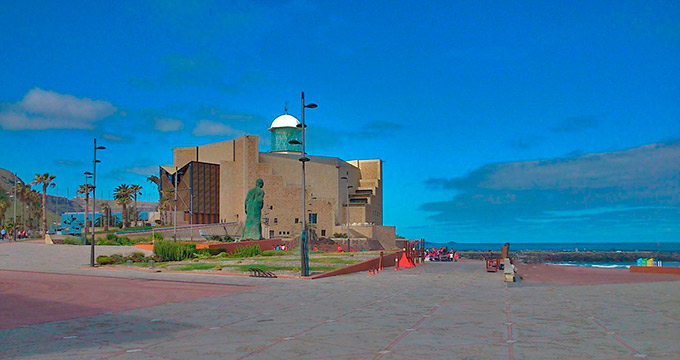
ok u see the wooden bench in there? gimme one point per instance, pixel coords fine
(255, 272)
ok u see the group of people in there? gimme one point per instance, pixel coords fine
(7, 234)
(441, 254)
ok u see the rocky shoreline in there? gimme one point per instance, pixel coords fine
(542, 256)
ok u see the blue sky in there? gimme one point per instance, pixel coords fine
(461, 100)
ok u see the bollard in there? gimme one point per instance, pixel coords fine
(380, 266)
(128, 263)
(151, 262)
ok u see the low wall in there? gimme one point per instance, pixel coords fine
(388, 260)
(656, 269)
(269, 244)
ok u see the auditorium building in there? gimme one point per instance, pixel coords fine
(213, 180)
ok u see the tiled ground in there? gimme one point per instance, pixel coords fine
(436, 311)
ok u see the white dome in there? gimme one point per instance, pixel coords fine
(284, 120)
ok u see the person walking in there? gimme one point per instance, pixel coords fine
(3, 233)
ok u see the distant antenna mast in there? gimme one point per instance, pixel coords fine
(285, 108)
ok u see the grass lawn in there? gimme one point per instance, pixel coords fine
(277, 262)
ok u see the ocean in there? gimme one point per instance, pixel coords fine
(637, 246)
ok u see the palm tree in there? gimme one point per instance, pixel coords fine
(106, 208)
(156, 180)
(45, 180)
(4, 204)
(160, 208)
(22, 191)
(136, 190)
(86, 189)
(123, 195)
(34, 200)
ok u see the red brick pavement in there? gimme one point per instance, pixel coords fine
(32, 297)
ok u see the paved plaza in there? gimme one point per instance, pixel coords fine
(435, 311)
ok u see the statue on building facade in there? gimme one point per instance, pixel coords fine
(253, 206)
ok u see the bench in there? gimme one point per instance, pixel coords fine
(255, 272)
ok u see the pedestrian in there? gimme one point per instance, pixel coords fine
(455, 256)
(3, 232)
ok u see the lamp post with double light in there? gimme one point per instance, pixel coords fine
(94, 196)
(304, 238)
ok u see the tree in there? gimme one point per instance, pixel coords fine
(45, 180)
(106, 208)
(123, 195)
(165, 204)
(33, 201)
(4, 204)
(86, 189)
(136, 190)
(23, 192)
(156, 180)
(161, 196)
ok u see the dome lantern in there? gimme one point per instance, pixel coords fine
(285, 129)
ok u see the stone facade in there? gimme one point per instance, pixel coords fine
(241, 163)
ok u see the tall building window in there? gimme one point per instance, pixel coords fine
(312, 218)
(276, 220)
(297, 220)
(323, 232)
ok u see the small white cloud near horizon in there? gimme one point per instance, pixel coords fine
(143, 170)
(168, 125)
(115, 138)
(214, 128)
(44, 109)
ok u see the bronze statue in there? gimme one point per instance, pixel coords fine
(253, 206)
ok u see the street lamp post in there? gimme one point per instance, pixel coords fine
(174, 219)
(94, 196)
(14, 236)
(349, 242)
(304, 234)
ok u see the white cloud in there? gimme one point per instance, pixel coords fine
(143, 170)
(214, 128)
(44, 109)
(168, 124)
(116, 138)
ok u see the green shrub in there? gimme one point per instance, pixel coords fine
(218, 252)
(219, 238)
(173, 251)
(70, 240)
(117, 259)
(104, 260)
(202, 254)
(273, 253)
(136, 256)
(115, 240)
(247, 251)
